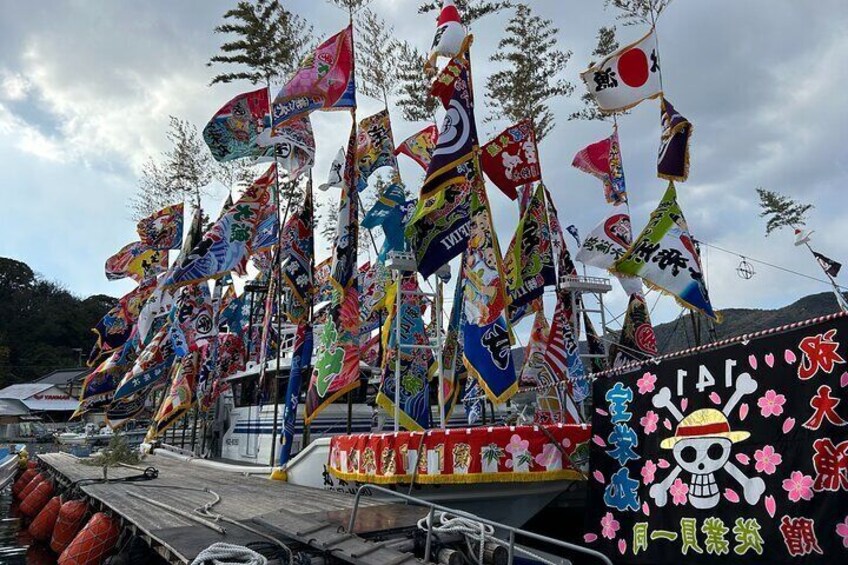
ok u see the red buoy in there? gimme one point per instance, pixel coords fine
(94, 542)
(68, 523)
(36, 480)
(42, 527)
(37, 499)
(23, 481)
(38, 554)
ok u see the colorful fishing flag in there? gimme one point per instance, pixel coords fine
(322, 80)
(375, 147)
(562, 363)
(336, 369)
(150, 368)
(300, 363)
(450, 34)
(665, 257)
(294, 147)
(511, 158)
(529, 261)
(827, 264)
(335, 178)
(673, 157)
(98, 387)
(373, 280)
(572, 229)
(137, 261)
(457, 141)
(224, 356)
(180, 396)
(266, 231)
(603, 160)
(419, 146)
(162, 229)
(121, 412)
(607, 242)
(323, 288)
(235, 130)
(534, 353)
(453, 368)
(297, 257)
(438, 230)
(472, 401)
(388, 213)
(414, 394)
(225, 246)
(487, 335)
(637, 340)
(115, 328)
(627, 77)
(192, 319)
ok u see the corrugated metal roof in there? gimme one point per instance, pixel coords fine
(64, 376)
(23, 391)
(12, 408)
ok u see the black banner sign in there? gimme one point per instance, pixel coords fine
(738, 454)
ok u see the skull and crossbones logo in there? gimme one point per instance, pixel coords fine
(702, 445)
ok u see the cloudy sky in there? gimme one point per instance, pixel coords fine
(86, 89)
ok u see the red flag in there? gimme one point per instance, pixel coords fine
(511, 158)
(419, 147)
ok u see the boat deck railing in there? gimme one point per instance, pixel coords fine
(433, 507)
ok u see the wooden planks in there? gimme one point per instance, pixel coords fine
(281, 506)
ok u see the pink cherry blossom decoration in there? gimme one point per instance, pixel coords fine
(843, 380)
(622, 546)
(743, 411)
(667, 423)
(684, 403)
(646, 510)
(769, 359)
(647, 472)
(609, 526)
(663, 464)
(649, 422)
(771, 506)
(679, 492)
(599, 441)
(601, 412)
(789, 356)
(742, 458)
(731, 495)
(842, 531)
(646, 383)
(752, 361)
(767, 460)
(771, 404)
(799, 486)
(599, 476)
(589, 538)
(715, 398)
(788, 424)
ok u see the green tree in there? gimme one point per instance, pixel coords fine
(470, 10)
(607, 44)
(781, 211)
(267, 42)
(638, 12)
(183, 172)
(413, 90)
(378, 71)
(523, 89)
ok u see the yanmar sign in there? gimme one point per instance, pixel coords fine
(51, 397)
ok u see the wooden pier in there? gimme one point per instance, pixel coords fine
(295, 515)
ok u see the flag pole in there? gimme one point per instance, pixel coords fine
(840, 298)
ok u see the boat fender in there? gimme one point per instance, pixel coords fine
(41, 528)
(37, 499)
(23, 481)
(68, 523)
(36, 480)
(93, 543)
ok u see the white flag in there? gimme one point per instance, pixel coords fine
(336, 176)
(626, 77)
(608, 242)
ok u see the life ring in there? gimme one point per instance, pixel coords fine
(94, 542)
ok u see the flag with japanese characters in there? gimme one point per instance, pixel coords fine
(626, 77)
(181, 393)
(607, 242)
(637, 340)
(665, 257)
(419, 146)
(119, 323)
(336, 369)
(673, 155)
(487, 334)
(511, 159)
(324, 81)
(150, 368)
(602, 159)
(375, 147)
(137, 261)
(162, 229)
(225, 245)
(235, 129)
(726, 455)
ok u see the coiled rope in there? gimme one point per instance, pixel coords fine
(228, 554)
(472, 531)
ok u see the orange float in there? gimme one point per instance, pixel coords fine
(37, 499)
(23, 481)
(42, 527)
(68, 523)
(94, 542)
(36, 480)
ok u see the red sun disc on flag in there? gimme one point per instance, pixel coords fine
(633, 68)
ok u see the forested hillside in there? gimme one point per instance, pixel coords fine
(42, 325)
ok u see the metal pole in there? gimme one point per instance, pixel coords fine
(840, 299)
(439, 368)
(194, 428)
(398, 303)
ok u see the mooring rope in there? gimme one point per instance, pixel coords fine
(229, 554)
